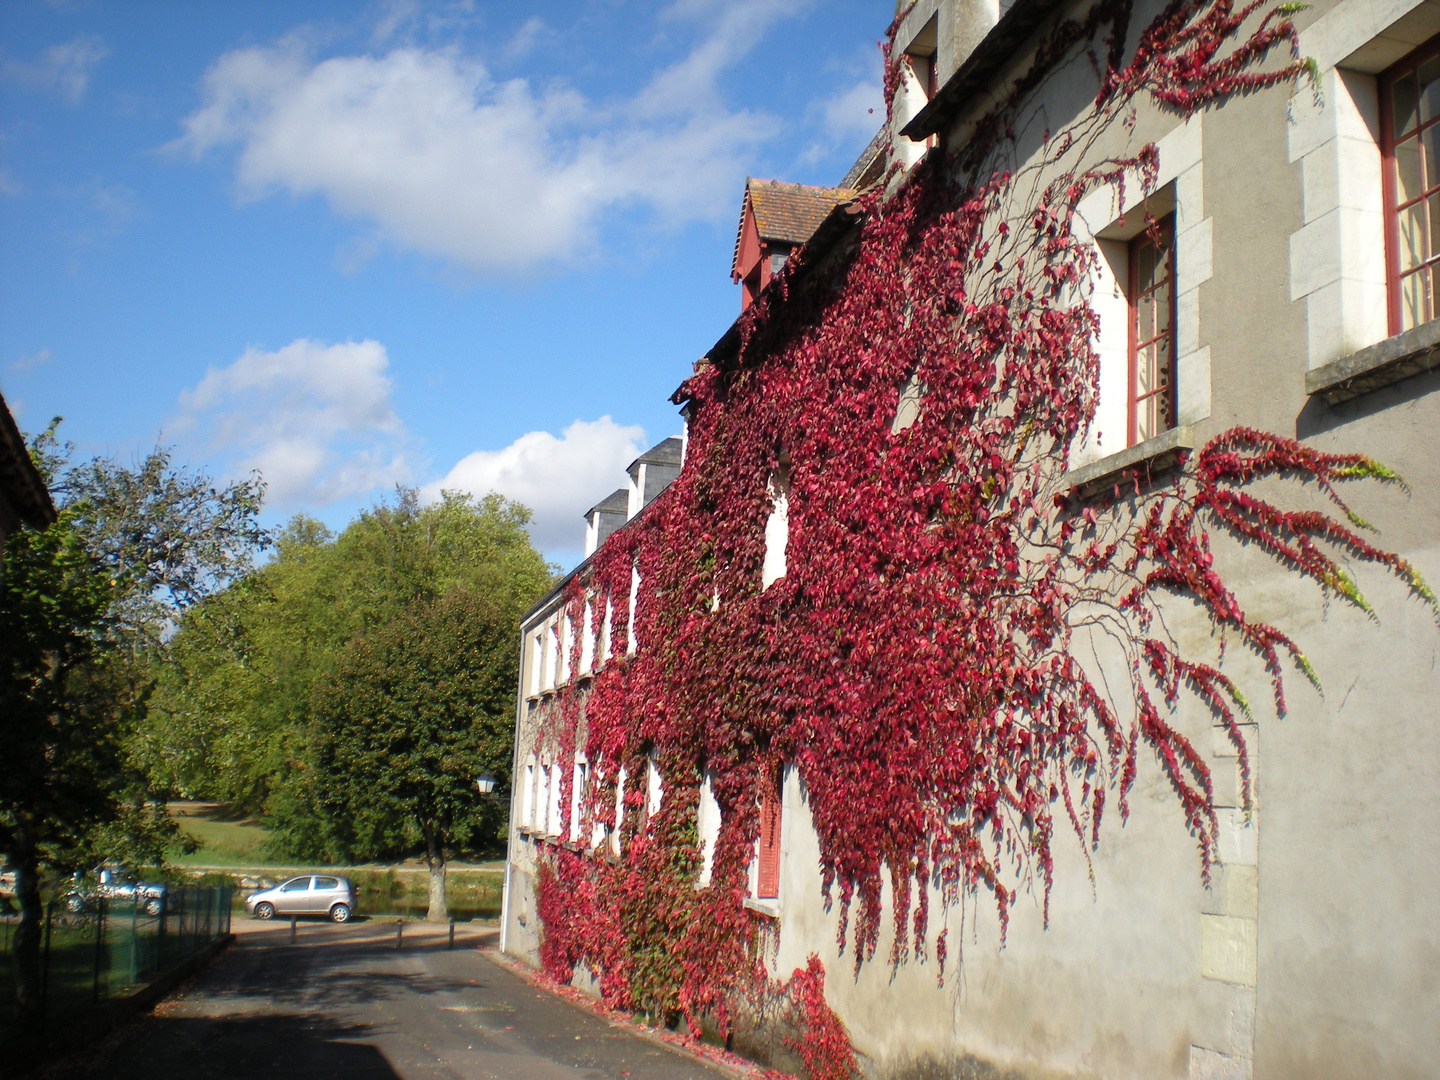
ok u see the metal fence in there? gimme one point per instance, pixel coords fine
(110, 947)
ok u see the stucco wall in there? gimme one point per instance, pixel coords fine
(1315, 951)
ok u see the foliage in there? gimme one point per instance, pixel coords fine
(919, 663)
(235, 718)
(84, 606)
(414, 711)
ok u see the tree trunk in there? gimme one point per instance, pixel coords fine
(435, 860)
(26, 946)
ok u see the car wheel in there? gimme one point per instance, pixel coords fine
(264, 911)
(340, 913)
(74, 904)
(153, 906)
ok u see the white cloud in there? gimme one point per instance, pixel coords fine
(848, 118)
(495, 176)
(557, 478)
(31, 362)
(314, 419)
(63, 69)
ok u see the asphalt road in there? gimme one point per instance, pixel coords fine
(343, 1002)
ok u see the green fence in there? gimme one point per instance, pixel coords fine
(109, 948)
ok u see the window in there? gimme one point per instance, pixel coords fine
(767, 880)
(322, 883)
(527, 801)
(1410, 143)
(299, 884)
(777, 526)
(1151, 296)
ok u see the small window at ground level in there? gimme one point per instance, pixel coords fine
(1410, 143)
(1152, 335)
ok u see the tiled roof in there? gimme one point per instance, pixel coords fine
(666, 452)
(786, 213)
(617, 502)
(790, 213)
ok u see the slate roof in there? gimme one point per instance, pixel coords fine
(786, 213)
(666, 452)
(617, 502)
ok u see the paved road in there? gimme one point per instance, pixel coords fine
(342, 1002)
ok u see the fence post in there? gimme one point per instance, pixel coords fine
(135, 939)
(45, 968)
(452, 935)
(99, 948)
(399, 929)
(292, 929)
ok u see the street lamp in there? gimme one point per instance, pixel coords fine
(485, 783)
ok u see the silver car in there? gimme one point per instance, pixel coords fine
(310, 894)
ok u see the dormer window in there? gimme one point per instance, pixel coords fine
(775, 219)
(919, 79)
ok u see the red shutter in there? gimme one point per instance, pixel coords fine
(768, 885)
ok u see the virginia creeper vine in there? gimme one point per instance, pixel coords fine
(917, 661)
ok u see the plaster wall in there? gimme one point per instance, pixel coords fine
(1315, 950)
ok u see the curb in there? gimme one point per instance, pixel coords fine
(737, 1067)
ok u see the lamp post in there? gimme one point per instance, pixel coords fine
(485, 783)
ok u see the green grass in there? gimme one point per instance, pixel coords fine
(224, 840)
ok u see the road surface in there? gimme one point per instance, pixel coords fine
(343, 1002)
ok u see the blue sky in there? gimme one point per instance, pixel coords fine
(462, 244)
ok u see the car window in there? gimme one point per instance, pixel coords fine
(327, 883)
(298, 884)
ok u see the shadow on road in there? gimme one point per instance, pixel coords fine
(222, 1048)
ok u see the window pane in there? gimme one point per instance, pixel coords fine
(1144, 319)
(1414, 229)
(1147, 418)
(327, 883)
(1161, 298)
(299, 884)
(1407, 168)
(1430, 141)
(1402, 97)
(1416, 299)
(1429, 74)
(1145, 370)
(1144, 266)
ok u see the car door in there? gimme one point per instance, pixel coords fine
(293, 896)
(327, 891)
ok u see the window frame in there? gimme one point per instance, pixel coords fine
(1132, 343)
(1390, 194)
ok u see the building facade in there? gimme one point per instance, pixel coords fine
(997, 682)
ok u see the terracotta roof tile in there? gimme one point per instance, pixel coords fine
(787, 213)
(790, 213)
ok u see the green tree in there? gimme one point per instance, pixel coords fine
(415, 711)
(84, 610)
(235, 715)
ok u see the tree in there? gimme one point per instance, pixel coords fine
(415, 712)
(84, 609)
(235, 715)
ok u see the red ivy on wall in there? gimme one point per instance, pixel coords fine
(916, 661)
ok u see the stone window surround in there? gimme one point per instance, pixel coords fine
(1179, 181)
(1337, 256)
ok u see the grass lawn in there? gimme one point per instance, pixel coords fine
(235, 845)
(225, 839)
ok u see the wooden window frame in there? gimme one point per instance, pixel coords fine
(1132, 343)
(1389, 191)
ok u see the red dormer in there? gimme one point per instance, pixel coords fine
(775, 219)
